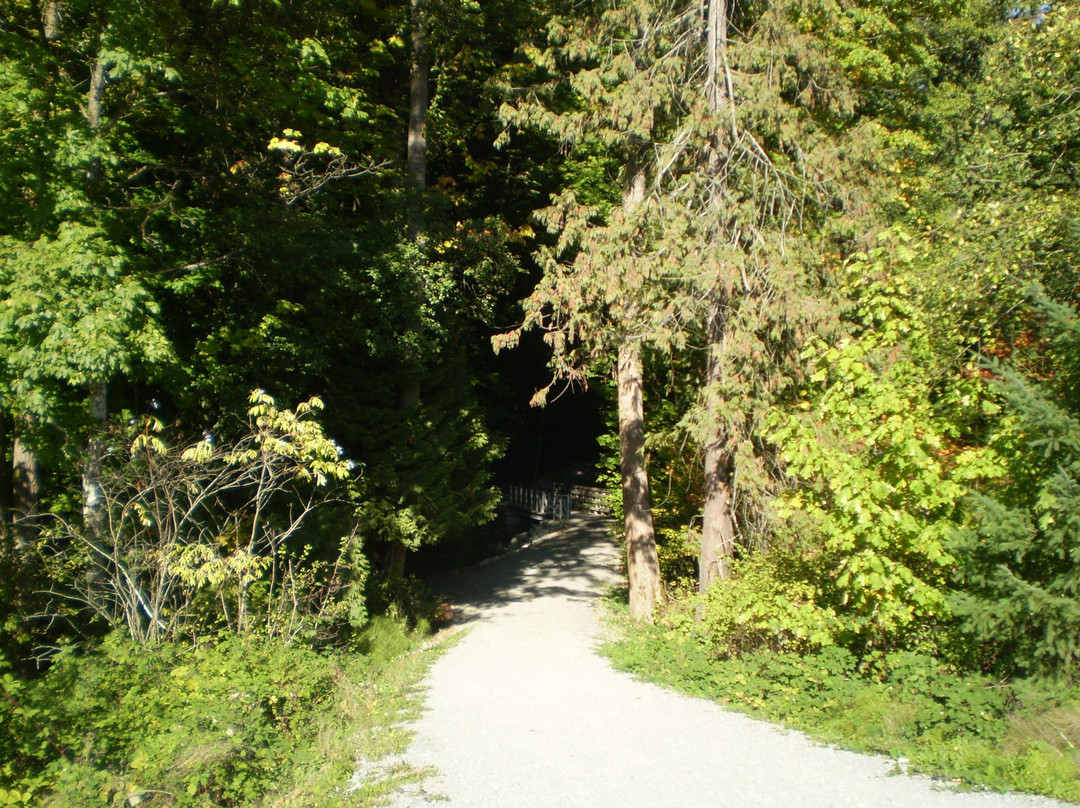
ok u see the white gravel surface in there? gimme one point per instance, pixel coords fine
(523, 713)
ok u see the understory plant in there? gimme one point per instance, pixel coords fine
(205, 536)
(874, 481)
(233, 721)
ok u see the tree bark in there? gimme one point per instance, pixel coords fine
(419, 91)
(51, 18)
(93, 496)
(716, 31)
(718, 521)
(642, 562)
(93, 514)
(409, 388)
(26, 480)
(99, 79)
(6, 470)
(409, 392)
(410, 384)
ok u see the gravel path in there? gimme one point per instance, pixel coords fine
(522, 713)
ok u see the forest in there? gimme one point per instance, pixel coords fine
(287, 283)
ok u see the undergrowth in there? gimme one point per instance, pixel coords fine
(970, 729)
(235, 722)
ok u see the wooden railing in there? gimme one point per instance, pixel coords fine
(589, 499)
(543, 503)
(558, 503)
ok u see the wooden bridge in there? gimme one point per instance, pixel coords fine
(558, 502)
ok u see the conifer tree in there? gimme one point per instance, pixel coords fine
(745, 123)
(1019, 573)
(601, 301)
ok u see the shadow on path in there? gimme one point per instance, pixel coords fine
(577, 561)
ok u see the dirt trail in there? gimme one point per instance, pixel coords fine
(523, 714)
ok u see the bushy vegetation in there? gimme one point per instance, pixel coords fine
(232, 720)
(197, 200)
(917, 595)
(1018, 589)
(225, 654)
(904, 572)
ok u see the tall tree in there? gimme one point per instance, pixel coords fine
(416, 165)
(717, 522)
(993, 193)
(765, 183)
(729, 172)
(217, 197)
(600, 302)
(642, 560)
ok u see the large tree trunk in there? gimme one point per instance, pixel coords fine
(26, 480)
(642, 563)
(93, 511)
(99, 79)
(51, 18)
(718, 524)
(718, 521)
(419, 92)
(410, 385)
(716, 30)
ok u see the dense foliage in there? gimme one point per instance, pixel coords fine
(1018, 594)
(199, 199)
(231, 721)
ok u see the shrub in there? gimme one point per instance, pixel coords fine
(233, 722)
(196, 538)
(768, 603)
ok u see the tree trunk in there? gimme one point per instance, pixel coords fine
(410, 384)
(51, 17)
(396, 561)
(26, 481)
(718, 522)
(6, 468)
(419, 90)
(99, 78)
(409, 392)
(93, 513)
(718, 525)
(93, 495)
(416, 164)
(642, 563)
(716, 25)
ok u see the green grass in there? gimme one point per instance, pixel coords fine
(972, 730)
